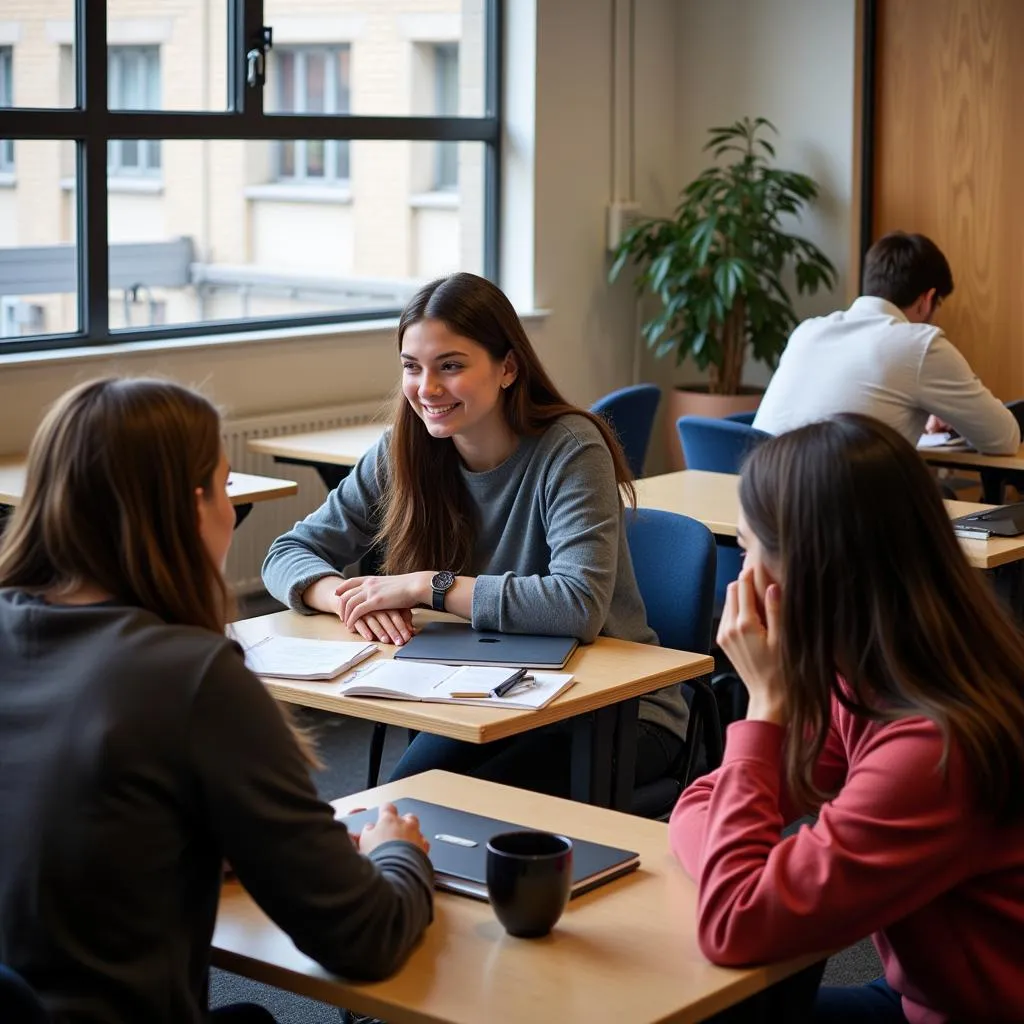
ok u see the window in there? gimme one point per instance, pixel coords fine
(313, 80)
(133, 83)
(446, 93)
(6, 100)
(211, 166)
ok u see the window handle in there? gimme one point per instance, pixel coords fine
(256, 58)
(256, 68)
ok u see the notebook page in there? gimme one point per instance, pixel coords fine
(300, 658)
(413, 680)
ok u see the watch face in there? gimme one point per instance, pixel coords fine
(443, 580)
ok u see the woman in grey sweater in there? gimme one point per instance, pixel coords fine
(493, 498)
(138, 751)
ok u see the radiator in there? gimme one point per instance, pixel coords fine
(269, 519)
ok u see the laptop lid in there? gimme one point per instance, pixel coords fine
(458, 849)
(1004, 521)
(457, 643)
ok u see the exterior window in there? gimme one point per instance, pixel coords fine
(6, 100)
(133, 83)
(313, 80)
(446, 93)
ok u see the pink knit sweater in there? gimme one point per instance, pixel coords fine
(900, 853)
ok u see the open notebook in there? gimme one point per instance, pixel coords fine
(292, 657)
(445, 684)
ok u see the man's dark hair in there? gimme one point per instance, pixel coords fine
(901, 267)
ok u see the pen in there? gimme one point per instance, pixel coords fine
(501, 690)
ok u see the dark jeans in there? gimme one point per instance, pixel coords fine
(537, 760)
(875, 1003)
(242, 1013)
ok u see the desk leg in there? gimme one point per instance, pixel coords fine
(593, 752)
(623, 780)
(330, 474)
(1008, 581)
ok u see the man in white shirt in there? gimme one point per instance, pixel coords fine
(885, 358)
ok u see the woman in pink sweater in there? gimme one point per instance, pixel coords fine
(885, 686)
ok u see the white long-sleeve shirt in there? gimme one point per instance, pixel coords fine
(871, 359)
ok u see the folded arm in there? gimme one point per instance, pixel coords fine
(890, 842)
(358, 916)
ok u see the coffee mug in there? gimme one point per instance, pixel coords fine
(528, 879)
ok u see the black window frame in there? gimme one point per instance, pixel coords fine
(91, 125)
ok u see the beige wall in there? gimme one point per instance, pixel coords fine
(560, 164)
(791, 61)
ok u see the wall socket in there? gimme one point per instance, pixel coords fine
(623, 214)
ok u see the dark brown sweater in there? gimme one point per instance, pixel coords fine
(134, 758)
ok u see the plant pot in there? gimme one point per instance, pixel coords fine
(695, 402)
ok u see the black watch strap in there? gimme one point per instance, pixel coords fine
(440, 584)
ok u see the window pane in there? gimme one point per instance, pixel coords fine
(234, 232)
(38, 249)
(176, 54)
(387, 52)
(32, 35)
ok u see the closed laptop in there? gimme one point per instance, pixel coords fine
(1003, 521)
(457, 643)
(458, 849)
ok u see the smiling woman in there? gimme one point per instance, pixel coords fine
(491, 497)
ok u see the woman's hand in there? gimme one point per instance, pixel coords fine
(751, 639)
(389, 627)
(379, 607)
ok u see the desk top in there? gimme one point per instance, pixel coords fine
(243, 488)
(713, 498)
(607, 671)
(965, 458)
(342, 446)
(631, 943)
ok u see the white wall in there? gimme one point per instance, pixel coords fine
(791, 61)
(696, 63)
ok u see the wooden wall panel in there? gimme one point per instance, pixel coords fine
(949, 163)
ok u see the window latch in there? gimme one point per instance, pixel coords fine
(256, 58)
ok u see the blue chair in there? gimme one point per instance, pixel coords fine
(719, 446)
(630, 412)
(18, 1001)
(674, 560)
(742, 417)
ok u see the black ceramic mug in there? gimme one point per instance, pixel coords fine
(528, 879)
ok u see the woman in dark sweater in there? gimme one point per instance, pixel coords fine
(138, 752)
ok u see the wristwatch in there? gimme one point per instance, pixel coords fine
(440, 583)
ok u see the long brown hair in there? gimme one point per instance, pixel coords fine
(428, 520)
(110, 500)
(877, 592)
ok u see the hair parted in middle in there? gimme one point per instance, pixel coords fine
(427, 516)
(880, 607)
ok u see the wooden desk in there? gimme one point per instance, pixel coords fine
(624, 952)
(243, 488)
(967, 458)
(992, 468)
(332, 453)
(713, 499)
(610, 676)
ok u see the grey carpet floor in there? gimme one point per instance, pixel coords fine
(343, 745)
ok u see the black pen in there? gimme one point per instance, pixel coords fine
(509, 684)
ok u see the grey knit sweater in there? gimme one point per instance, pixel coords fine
(550, 555)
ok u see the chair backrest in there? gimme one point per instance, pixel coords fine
(18, 1001)
(716, 445)
(1017, 408)
(631, 411)
(742, 417)
(674, 561)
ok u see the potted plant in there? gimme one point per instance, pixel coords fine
(717, 265)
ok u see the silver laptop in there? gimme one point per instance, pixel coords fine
(458, 849)
(457, 643)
